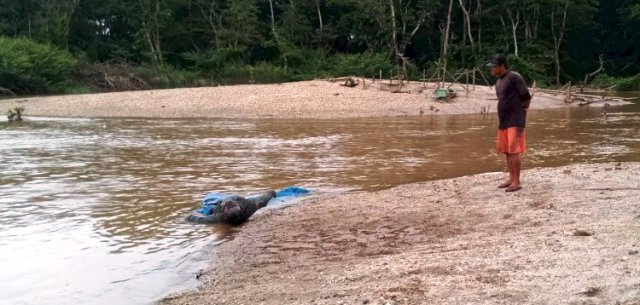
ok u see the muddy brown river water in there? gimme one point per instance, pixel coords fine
(91, 210)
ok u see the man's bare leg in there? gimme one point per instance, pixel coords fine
(515, 168)
(509, 168)
(514, 164)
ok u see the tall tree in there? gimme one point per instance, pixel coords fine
(411, 19)
(152, 20)
(211, 13)
(567, 15)
(241, 24)
(445, 43)
(558, 30)
(468, 27)
(515, 21)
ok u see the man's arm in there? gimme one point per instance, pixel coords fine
(523, 91)
(527, 103)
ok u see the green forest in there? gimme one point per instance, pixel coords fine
(78, 46)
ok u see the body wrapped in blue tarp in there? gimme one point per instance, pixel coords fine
(220, 207)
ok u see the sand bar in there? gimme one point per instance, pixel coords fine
(318, 99)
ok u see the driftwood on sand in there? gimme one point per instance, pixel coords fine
(571, 96)
(114, 77)
(586, 99)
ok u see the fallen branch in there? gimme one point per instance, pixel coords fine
(568, 98)
(7, 91)
(600, 69)
(338, 79)
(551, 91)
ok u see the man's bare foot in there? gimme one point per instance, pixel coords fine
(513, 188)
(503, 185)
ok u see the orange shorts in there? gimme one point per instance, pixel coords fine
(511, 141)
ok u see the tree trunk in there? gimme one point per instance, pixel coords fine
(319, 14)
(557, 39)
(467, 16)
(479, 13)
(158, 49)
(67, 22)
(592, 74)
(394, 47)
(273, 18)
(147, 36)
(152, 31)
(506, 32)
(29, 25)
(463, 50)
(398, 49)
(210, 15)
(536, 17)
(446, 42)
(514, 28)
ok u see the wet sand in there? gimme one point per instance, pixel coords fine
(320, 99)
(571, 236)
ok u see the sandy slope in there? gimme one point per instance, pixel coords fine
(309, 99)
(457, 241)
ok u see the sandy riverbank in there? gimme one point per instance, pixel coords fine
(309, 99)
(571, 236)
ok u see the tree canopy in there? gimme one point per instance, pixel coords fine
(552, 41)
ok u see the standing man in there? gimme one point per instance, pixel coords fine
(513, 101)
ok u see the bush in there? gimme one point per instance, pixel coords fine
(603, 81)
(534, 66)
(264, 73)
(30, 67)
(166, 76)
(214, 60)
(621, 84)
(367, 64)
(308, 63)
(77, 88)
(629, 84)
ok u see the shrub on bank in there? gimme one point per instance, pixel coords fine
(166, 76)
(264, 73)
(27, 67)
(306, 63)
(367, 64)
(631, 83)
(261, 73)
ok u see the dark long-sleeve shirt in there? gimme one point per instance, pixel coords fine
(512, 92)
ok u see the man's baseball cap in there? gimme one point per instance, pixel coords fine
(497, 60)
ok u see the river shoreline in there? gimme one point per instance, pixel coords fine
(317, 99)
(569, 237)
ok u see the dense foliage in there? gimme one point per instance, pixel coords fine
(28, 67)
(195, 42)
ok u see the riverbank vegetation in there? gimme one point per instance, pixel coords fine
(77, 46)
(603, 81)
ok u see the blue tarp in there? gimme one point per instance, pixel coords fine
(212, 199)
